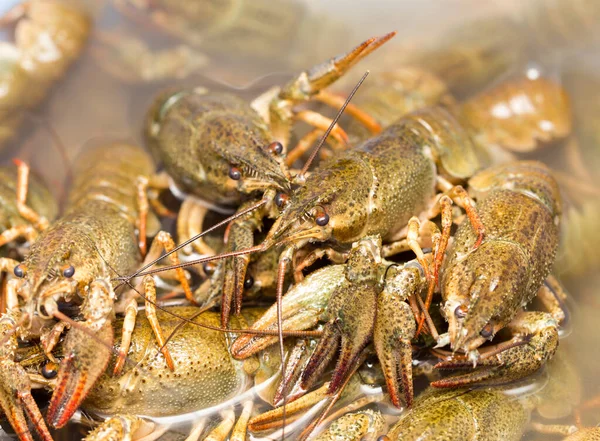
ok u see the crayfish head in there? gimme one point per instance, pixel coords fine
(61, 264)
(483, 292)
(334, 203)
(250, 162)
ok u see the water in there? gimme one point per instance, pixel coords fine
(91, 105)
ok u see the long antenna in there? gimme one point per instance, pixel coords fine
(330, 128)
(197, 236)
(143, 272)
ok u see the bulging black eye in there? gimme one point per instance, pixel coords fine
(249, 282)
(487, 331)
(68, 272)
(281, 200)
(209, 268)
(275, 148)
(321, 218)
(461, 311)
(235, 173)
(20, 270)
(50, 370)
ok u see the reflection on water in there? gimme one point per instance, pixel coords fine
(103, 96)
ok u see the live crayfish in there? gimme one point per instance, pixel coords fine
(490, 414)
(49, 37)
(207, 377)
(484, 288)
(218, 147)
(73, 261)
(325, 209)
(481, 289)
(477, 414)
(411, 157)
(361, 301)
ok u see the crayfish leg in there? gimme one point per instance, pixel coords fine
(163, 240)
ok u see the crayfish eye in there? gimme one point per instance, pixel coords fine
(249, 282)
(276, 148)
(235, 173)
(321, 218)
(461, 311)
(20, 270)
(69, 271)
(209, 268)
(487, 331)
(50, 370)
(281, 200)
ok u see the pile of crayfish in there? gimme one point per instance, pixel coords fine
(346, 263)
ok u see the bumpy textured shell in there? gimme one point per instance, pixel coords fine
(459, 415)
(205, 374)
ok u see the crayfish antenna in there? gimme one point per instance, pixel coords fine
(141, 271)
(313, 155)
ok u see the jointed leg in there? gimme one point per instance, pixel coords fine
(241, 427)
(304, 145)
(10, 300)
(51, 338)
(461, 198)
(337, 101)
(553, 296)
(163, 240)
(128, 327)
(412, 240)
(156, 184)
(426, 233)
(553, 429)
(150, 294)
(313, 256)
(221, 432)
(7, 264)
(142, 199)
(189, 224)
(39, 222)
(26, 231)
(146, 196)
(322, 122)
(445, 204)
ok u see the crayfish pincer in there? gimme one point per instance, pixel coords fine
(364, 300)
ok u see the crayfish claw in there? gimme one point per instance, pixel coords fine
(397, 365)
(320, 358)
(303, 305)
(85, 360)
(534, 344)
(17, 403)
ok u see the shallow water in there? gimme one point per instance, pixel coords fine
(91, 106)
